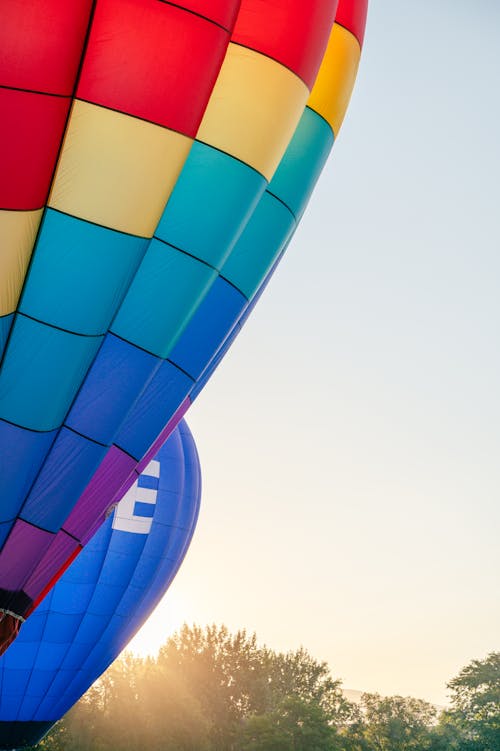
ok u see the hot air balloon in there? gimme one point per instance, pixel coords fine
(103, 598)
(260, 245)
(161, 128)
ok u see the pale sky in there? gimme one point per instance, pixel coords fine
(349, 441)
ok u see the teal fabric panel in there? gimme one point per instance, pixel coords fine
(263, 238)
(212, 201)
(5, 324)
(42, 373)
(162, 298)
(79, 273)
(303, 161)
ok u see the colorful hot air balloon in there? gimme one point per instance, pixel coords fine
(254, 256)
(95, 321)
(103, 598)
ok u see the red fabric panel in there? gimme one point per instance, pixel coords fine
(352, 15)
(152, 60)
(31, 128)
(294, 32)
(41, 43)
(223, 12)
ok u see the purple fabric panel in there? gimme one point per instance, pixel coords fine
(22, 551)
(61, 548)
(99, 493)
(164, 435)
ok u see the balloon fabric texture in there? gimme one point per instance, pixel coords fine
(103, 598)
(158, 157)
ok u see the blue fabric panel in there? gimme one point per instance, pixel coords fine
(61, 680)
(217, 312)
(34, 634)
(10, 706)
(212, 200)
(5, 528)
(49, 658)
(147, 481)
(164, 294)
(5, 324)
(41, 373)
(62, 480)
(116, 378)
(298, 171)
(79, 273)
(130, 598)
(254, 253)
(144, 509)
(21, 455)
(30, 704)
(61, 627)
(119, 567)
(125, 544)
(146, 567)
(78, 650)
(163, 395)
(26, 657)
(105, 599)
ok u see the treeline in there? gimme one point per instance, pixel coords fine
(209, 690)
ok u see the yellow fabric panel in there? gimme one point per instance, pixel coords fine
(117, 170)
(254, 109)
(18, 231)
(333, 87)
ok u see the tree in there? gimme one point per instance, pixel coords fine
(475, 695)
(397, 723)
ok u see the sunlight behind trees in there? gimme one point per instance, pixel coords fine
(212, 690)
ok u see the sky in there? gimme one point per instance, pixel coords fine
(349, 441)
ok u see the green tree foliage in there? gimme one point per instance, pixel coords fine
(475, 713)
(210, 690)
(396, 723)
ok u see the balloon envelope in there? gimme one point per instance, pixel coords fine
(103, 598)
(146, 134)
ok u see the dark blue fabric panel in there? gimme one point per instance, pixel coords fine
(115, 380)
(21, 455)
(5, 324)
(71, 461)
(215, 361)
(18, 681)
(298, 171)
(218, 311)
(163, 395)
(79, 273)
(212, 200)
